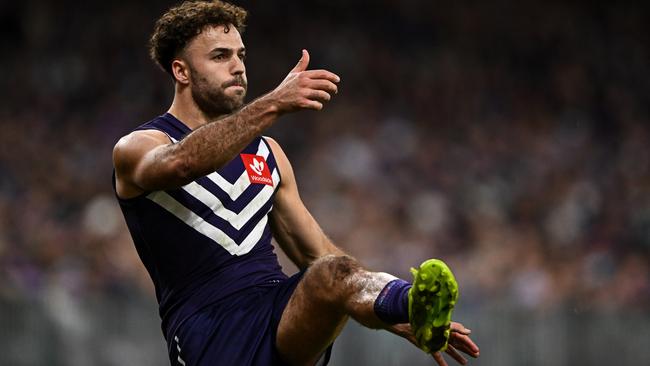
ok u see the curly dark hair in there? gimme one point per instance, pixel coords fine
(180, 24)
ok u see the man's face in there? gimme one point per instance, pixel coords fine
(217, 73)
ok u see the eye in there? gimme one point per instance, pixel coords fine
(242, 56)
(219, 56)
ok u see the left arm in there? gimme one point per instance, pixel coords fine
(294, 228)
(459, 340)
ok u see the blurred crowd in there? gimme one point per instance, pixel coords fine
(511, 140)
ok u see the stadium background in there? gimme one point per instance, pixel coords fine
(511, 140)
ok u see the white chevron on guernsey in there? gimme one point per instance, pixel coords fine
(236, 220)
(195, 221)
(234, 190)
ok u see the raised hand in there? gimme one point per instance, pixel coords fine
(304, 89)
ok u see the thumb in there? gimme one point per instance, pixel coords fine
(302, 63)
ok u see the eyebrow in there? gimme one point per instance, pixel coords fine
(227, 50)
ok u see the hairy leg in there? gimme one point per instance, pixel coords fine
(332, 289)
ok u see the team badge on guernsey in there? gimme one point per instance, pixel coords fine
(257, 169)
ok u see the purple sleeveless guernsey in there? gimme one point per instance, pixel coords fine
(210, 238)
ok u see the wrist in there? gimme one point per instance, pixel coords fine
(271, 104)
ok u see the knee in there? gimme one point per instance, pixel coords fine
(332, 272)
(337, 267)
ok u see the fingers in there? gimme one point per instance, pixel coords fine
(459, 328)
(312, 104)
(464, 343)
(439, 359)
(302, 63)
(322, 74)
(317, 93)
(321, 84)
(451, 351)
(460, 339)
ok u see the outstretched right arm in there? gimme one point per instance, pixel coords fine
(147, 161)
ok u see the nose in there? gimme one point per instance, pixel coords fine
(238, 66)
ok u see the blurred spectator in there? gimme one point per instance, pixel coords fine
(510, 140)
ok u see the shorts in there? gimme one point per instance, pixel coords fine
(239, 331)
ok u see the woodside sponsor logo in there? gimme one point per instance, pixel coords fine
(257, 169)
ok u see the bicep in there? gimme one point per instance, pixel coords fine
(293, 224)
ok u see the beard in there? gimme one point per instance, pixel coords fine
(212, 101)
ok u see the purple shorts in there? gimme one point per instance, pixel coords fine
(238, 331)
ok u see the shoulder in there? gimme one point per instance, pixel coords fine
(271, 141)
(279, 154)
(129, 153)
(283, 162)
(137, 143)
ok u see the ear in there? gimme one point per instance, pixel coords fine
(181, 71)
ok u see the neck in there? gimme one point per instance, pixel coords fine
(185, 109)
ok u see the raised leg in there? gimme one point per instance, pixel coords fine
(332, 289)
